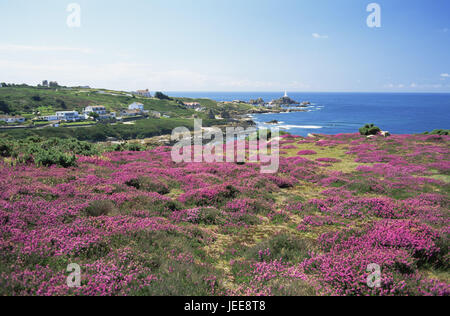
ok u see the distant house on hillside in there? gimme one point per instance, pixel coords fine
(154, 114)
(48, 118)
(69, 116)
(95, 109)
(101, 111)
(192, 105)
(12, 119)
(143, 93)
(131, 113)
(136, 106)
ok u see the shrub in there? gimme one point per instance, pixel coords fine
(48, 158)
(134, 147)
(162, 96)
(99, 208)
(439, 132)
(5, 149)
(210, 216)
(258, 135)
(149, 185)
(369, 129)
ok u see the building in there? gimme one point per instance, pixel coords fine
(48, 118)
(193, 105)
(12, 119)
(143, 93)
(69, 116)
(131, 113)
(154, 114)
(136, 106)
(100, 110)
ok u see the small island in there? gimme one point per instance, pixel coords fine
(286, 100)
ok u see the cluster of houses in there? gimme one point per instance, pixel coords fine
(12, 119)
(100, 113)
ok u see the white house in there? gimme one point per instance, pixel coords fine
(192, 105)
(136, 106)
(103, 114)
(131, 113)
(154, 114)
(12, 119)
(95, 109)
(49, 118)
(69, 116)
(144, 93)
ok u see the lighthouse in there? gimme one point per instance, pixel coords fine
(285, 94)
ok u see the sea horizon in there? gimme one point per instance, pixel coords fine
(338, 112)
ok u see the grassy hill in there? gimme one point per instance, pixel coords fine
(28, 100)
(37, 101)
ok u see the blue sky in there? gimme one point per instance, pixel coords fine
(229, 45)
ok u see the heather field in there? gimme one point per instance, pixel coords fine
(139, 224)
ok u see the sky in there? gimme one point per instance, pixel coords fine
(228, 45)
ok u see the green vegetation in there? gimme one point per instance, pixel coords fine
(162, 96)
(32, 102)
(282, 246)
(46, 152)
(369, 129)
(101, 132)
(438, 132)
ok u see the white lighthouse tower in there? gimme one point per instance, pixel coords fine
(285, 94)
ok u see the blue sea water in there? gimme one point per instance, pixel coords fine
(334, 113)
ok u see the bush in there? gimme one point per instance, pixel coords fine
(210, 216)
(369, 129)
(53, 151)
(439, 132)
(149, 185)
(99, 208)
(48, 158)
(162, 96)
(258, 135)
(134, 147)
(6, 149)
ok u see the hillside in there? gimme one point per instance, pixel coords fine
(139, 224)
(23, 100)
(31, 102)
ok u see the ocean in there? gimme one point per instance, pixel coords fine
(334, 113)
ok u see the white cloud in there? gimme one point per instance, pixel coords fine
(445, 75)
(35, 49)
(132, 76)
(319, 36)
